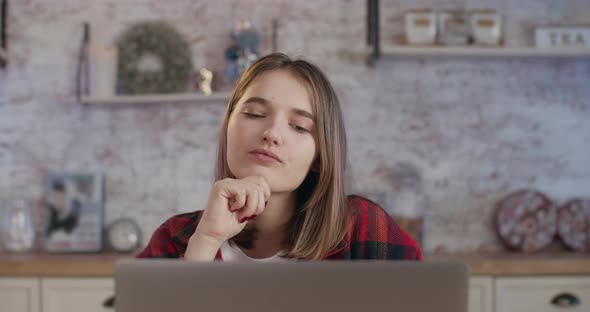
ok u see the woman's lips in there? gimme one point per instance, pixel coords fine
(263, 158)
(267, 153)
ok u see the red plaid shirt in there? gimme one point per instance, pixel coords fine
(372, 234)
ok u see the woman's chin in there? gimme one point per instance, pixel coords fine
(253, 171)
(276, 183)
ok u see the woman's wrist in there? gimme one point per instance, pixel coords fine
(202, 247)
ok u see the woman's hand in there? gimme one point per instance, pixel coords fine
(232, 203)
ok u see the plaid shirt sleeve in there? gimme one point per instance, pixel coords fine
(373, 234)
(170, 239)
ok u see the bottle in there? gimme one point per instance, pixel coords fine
(18, 230)
(409, 201)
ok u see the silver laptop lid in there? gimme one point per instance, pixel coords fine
(176, 285)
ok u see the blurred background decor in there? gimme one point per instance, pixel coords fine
(486, 27)
(3, 12)
(153, 58)
(102, 70)
(573, 224)
(205, 81)
(453, 28)
(243, 49)
(560, 37)
(74, 204)
(420, 26)
(526, 220)
(409, 200)
(17, 227)
(123, 235)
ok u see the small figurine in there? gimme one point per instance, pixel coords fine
(206, 81)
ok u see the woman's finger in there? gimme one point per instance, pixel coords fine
(239, 197)
(261, 202)
(261, 181)
(251, 203)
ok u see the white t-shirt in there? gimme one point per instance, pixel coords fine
(234, 253)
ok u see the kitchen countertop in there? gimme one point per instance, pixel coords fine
(498, 264)
(59, 265)
(519, 264)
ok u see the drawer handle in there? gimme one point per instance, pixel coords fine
(565, 300)
(109, 302)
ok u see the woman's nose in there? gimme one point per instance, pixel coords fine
(273, 135)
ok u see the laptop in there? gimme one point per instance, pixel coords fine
(151, 285)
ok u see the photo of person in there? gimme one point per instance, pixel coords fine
(63, 214)
(74, 203)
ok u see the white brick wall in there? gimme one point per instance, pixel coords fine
(476, 128)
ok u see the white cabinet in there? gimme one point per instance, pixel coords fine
(481, 291)
(486, 294)
(76, 294)
(542, 294)
(19, 294)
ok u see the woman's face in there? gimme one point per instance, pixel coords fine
(274, 115)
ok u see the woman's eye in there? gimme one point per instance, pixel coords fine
(299, 129)
(251, 115)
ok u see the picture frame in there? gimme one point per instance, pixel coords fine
(74, 212)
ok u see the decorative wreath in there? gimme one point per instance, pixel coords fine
(161, 42)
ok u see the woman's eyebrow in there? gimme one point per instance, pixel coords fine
(265, 102)
(259, 100)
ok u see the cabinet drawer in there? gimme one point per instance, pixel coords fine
(19, 294)
(76, 294)
(481, 294)
(540, 294)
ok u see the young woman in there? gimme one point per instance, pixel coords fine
(279, 190)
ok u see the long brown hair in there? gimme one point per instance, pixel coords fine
(321, 217)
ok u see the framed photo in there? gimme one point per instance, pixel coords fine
(75, 212)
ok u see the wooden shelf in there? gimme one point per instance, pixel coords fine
(471, 51)
(378, 49)
(157, 98)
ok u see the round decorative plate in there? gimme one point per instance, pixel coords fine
(526, 220)
(573, 224)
